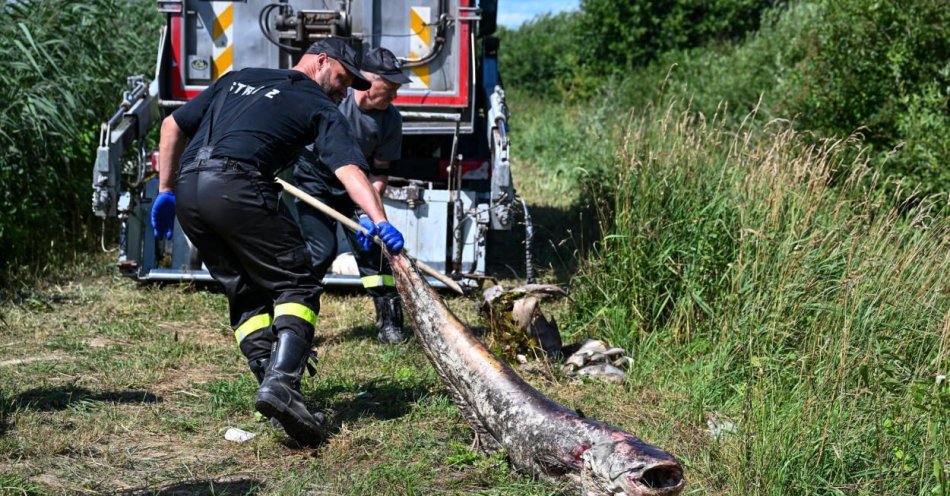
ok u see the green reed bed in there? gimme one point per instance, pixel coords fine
(792, 321)
(63, 68)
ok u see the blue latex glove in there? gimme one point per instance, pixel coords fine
(391, 236)
(163, 215)
(366, 240)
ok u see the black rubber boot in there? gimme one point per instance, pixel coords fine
(258, 367)
(389, 319)
(256, 347)
(279, 395)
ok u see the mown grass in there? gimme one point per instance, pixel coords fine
(111, 387)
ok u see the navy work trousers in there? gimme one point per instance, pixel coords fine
(231, 212)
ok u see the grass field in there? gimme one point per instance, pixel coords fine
(789, 325)
(112, 387)
(107, 386)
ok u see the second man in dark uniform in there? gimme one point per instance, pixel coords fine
(377, 126)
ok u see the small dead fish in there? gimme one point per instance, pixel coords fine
(539, 435)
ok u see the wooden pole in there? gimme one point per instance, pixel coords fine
(353, 226)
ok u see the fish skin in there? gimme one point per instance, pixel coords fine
(539, 435)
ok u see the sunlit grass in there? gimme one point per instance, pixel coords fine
(764, 281)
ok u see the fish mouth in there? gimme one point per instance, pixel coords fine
(662, 479)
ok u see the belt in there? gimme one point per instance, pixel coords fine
(225, 164)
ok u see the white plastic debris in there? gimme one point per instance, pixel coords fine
(720, 426)
(596, 360)
(604, 372)
(236, 435)
(493, 292)
(590, 346)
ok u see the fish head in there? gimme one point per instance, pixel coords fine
(629, 467)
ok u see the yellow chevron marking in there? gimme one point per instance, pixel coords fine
(222, 22)
(421, 71)
(422, 38)
(222, 63)
(419, 28)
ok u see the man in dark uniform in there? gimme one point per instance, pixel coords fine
(244, 128)
(377, 126)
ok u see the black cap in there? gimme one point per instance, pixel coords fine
(346, 55)
(382, 62)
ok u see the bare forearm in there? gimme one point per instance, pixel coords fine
(379, 183)
(171, 146)
(361, 191)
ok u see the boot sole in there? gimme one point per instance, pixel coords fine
(301, 431)
(381, 339)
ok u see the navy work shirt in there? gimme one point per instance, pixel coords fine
(267, 117)
(379, 134)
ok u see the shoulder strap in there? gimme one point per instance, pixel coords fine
(215, 112)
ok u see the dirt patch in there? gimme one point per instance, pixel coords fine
(50, 480)
(198, 331)
(99, 342)
(42, 358)
(182, 380)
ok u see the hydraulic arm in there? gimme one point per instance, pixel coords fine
(128, 125)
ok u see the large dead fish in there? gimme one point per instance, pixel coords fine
(539, 435)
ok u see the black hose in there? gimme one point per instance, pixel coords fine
(265, 30)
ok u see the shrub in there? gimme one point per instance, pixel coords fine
(731, 74)
(619, 34)
(880, 68)
(540, 56)
(883, 66)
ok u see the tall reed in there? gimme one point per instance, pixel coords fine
(64, 67)
(765, 283)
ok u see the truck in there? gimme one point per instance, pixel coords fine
(449, 194)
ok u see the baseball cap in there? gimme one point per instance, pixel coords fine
(346, 55)
(382, 62)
